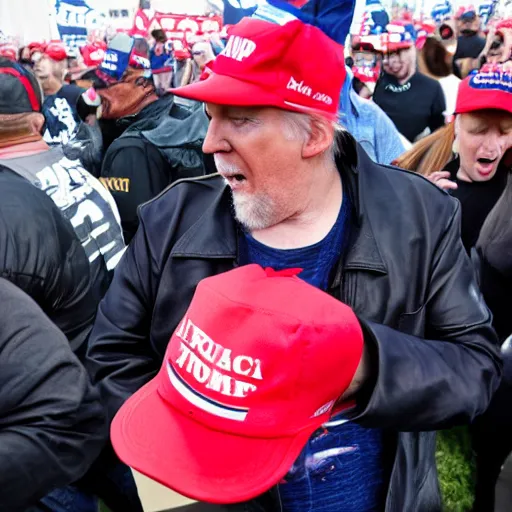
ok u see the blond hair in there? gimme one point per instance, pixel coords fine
(431, 153)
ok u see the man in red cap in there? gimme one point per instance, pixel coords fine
(295, 191)
(60, 102)
(150, 140)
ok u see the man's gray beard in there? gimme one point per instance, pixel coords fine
(254, 212)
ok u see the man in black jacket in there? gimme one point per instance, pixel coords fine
(295, 192)
(52, 424)
(152, 141)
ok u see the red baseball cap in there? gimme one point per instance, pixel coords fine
(490, 88)
(93, 53)
(55, 50)
(252, 371)
(294, 66)
(399, 36)
(9, 51)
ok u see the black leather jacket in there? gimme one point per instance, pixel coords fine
(405, 273)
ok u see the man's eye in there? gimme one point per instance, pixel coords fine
(239, 121)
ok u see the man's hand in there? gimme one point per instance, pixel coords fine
(360, 377)
(440, 178)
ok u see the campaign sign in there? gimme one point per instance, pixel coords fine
(73, 18)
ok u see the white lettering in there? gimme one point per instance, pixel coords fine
(299, 87)
(323, 98)
(238, 48)
(220, 383)
(257, 370)
(229, 46)
(237, 365)
(196, 348)
(201, 371)
(224, 362)
(242, 389)
(185, 352)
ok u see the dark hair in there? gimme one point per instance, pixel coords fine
(159, 35)
(435, 57)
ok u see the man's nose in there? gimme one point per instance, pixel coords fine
(214, 142)
(494, 140)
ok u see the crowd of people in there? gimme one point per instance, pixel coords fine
(265, 268)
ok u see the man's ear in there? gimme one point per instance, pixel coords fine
(320, 138)
(36, 123)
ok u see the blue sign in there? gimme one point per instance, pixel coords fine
(441, 11)
(73, 18)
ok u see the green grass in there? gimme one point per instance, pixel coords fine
(456, 468)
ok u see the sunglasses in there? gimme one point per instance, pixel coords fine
(198, 53)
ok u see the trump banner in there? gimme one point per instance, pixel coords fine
(74, 18)
(176, 26)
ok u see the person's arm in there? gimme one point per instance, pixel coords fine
(134, 174)
(52, 425)
(437, 109)
(449, 376)
(119, 358)
(187, 74)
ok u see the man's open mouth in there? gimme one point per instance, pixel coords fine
(234, 177)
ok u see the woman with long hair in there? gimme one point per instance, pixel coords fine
(466, 157)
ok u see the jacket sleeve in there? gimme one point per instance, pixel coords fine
(134, 174)
(52, 425)
(444, 380)
(119, 357)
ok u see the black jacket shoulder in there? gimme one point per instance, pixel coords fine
(52, 424)
(41, 254)
(176, 209)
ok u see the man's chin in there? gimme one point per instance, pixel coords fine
(252, 213)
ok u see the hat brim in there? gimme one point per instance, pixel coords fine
(193, 460)
(471, 99)
(226, 90)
